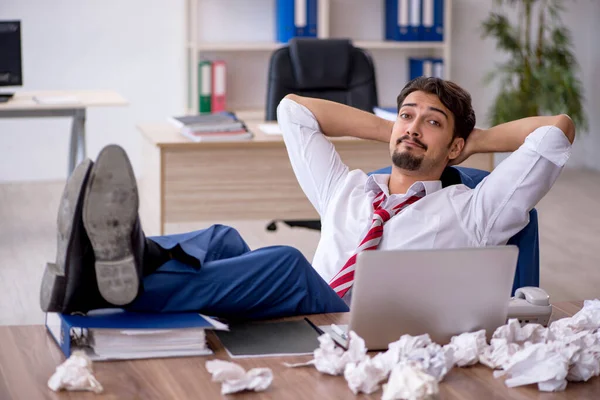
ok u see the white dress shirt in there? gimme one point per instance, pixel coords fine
(451, 217)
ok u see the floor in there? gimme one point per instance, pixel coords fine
(569, 241)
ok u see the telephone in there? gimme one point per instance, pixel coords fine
(530, 305)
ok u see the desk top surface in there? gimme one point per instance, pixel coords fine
(63, 99)
(29, 356)
(164, 134)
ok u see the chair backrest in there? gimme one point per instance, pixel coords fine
(527, 240)
(331, 69)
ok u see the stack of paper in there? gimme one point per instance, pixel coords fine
(221, 126)
(146, 343)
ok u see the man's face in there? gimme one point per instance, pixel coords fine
(422, 137)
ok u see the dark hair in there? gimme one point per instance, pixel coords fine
(455, 98)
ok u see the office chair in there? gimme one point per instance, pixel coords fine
(330, 69)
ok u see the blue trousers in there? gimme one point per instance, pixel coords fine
(235, 282)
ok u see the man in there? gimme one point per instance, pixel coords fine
(213, 270)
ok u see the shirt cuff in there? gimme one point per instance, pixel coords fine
(551, 143)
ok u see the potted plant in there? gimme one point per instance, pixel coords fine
(540, 77)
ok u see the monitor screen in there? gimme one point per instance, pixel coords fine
(10, 53)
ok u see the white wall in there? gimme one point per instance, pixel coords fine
(133, 47)
(136, 47)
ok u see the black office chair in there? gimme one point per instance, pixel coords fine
(331, 69)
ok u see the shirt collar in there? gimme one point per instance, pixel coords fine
(380, 182)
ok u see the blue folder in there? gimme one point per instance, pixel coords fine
(65, 328)
(433, 21)
(402, 20)
(417, 67)
(286, 17)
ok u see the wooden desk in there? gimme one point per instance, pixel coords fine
(185, 181)
(23, 105)
(29, 356)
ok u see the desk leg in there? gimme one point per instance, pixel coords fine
(77, 146)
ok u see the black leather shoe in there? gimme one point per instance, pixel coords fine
(110, 217)
(64, 282)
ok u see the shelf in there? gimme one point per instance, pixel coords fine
(240, 46)
(389, 44)
(270, 46)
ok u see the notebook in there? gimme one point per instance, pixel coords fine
(269, 339)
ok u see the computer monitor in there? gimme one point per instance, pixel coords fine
(10, 55)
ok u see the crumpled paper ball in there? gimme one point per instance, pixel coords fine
(541, 363)
(365, 376)
(234, 378)
(586, 319)
(498, 354)
(75, 374)
(467, 347)
(332, 360)
(409, 382)
(569, 350)
(513, 332)
(433, 359)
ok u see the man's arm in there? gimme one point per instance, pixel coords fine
(337, 119)
(509, 136)
(499, 206)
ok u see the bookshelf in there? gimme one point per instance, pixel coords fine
(247, 48)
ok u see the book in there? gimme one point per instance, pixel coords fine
(204, 86)
(269, 339)
(217, 136)
(219, 86)
(122, 335)
(389, 113)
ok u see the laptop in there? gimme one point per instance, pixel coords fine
(442, 292)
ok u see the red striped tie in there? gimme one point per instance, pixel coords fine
(343, 280)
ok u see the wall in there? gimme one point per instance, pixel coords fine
(134, 47)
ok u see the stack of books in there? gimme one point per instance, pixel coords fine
(123, 335)
(216, 127)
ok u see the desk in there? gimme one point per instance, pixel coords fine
(184, 181)
(29, 356)
(23, 105)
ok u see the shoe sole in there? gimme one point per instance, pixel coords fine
(54, 281)
(110, 210)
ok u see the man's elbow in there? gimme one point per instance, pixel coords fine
(292, 96)
(565, 124)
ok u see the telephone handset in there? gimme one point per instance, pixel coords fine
(530, 305)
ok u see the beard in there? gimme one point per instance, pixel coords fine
(407, 161)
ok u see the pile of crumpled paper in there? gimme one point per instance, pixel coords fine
(568, 350)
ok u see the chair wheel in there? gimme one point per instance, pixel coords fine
(272, 226)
